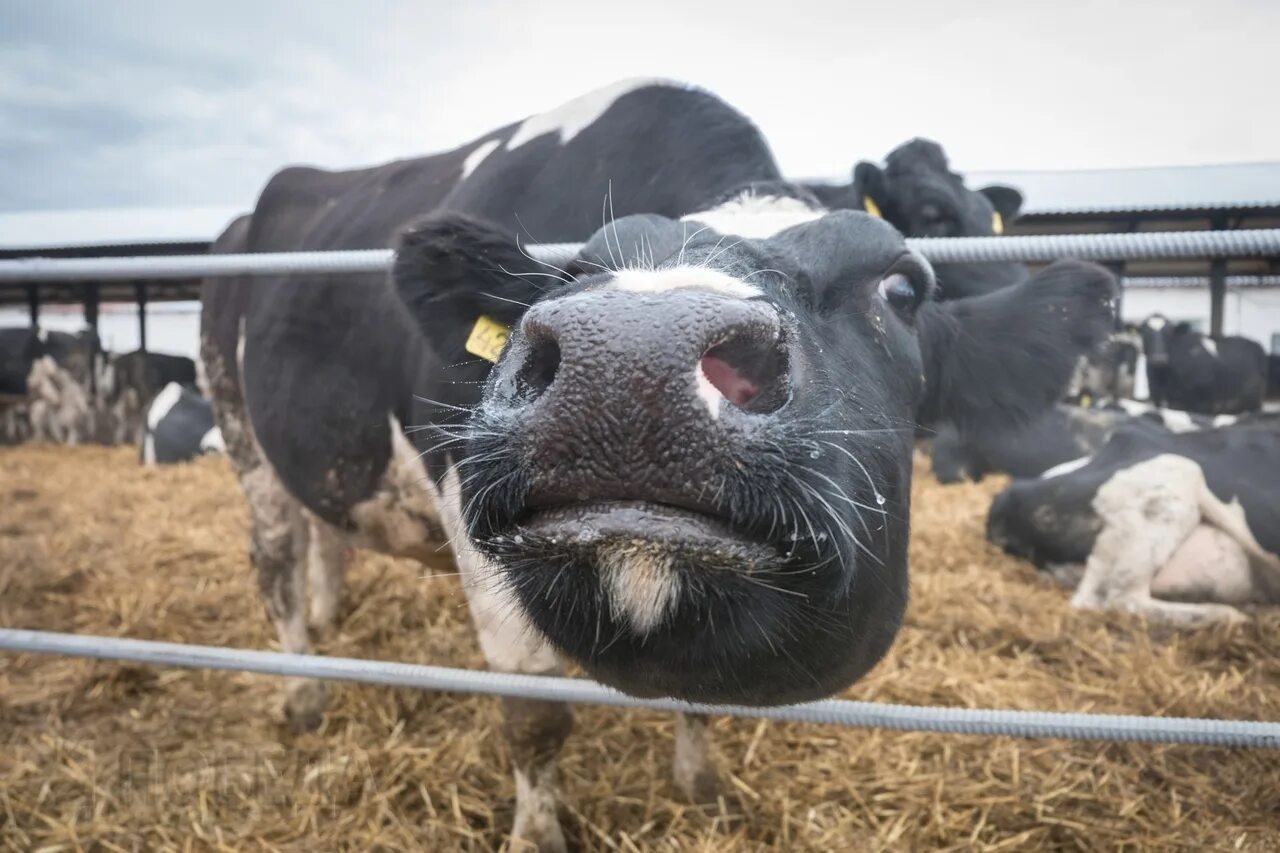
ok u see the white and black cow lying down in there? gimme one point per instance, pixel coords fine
(1178, 526)
(179, 427)
(1190, 371)
(689, 469)
(1061, 435)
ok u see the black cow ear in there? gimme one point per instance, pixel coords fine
(465, 282)
(1006, 200)
(999, 360)
(870, 187)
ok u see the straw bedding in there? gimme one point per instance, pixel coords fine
(97, 755)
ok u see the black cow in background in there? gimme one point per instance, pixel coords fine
(1190, 371)
(774, 333)
(918, 194)
(179, 427)
(1273, 376)
(1111, 372)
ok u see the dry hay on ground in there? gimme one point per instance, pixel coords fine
(98, 755)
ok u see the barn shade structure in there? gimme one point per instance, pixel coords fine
(1104, 201)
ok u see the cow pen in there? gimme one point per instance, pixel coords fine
(1175, 723)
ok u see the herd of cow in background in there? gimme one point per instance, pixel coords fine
(1153, 485)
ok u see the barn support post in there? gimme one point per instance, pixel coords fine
(1217, 284)
(91, 297)
(140, 291)
(33, 304)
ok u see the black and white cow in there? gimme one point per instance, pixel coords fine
(179, 427)
(46, 385)
(1179, 526)
(1188, 370)
(1061, 434)
(1110, 372)
(921, 197)
(689, 470)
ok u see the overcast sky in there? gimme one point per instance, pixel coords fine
(162, 103)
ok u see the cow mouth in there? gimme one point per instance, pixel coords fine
(588, 526)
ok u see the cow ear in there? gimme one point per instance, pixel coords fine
(870, 188)
(1006, 200)
(465, 282)
(999, 360)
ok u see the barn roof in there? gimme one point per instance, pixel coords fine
(121, 226)
(1231, 186)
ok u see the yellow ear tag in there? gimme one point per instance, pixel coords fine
(487, 338)
(871, 207)
(1085, 401)
(997, 222)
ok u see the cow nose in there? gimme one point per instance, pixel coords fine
(611, 388)
(656, 351)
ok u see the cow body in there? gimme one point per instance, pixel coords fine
(1187, 370)
(179, 427)
(1151, 485)
(315, 379)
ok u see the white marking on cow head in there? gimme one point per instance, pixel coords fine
(675, 278)
(1224, 420)
(757, 217)
(1178, 421)
(1156, 323)
(1141, 388)
(576, 116)
(1210, 345)
(477, 156)
(641, 585)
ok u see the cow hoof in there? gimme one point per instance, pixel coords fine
(699, 785)
(541, 832)
(305, 705)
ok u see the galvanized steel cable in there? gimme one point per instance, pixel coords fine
(1045, 247)
(971, 721)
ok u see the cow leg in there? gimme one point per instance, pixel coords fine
(695, 769)
(278, 550)
(1148, 512)
(535, 730)
(326, 568)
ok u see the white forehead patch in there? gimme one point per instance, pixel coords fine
(1156, 323)
(576, 116)
(756, 217)
(676, 278)
(477, 156)
(1211, 345)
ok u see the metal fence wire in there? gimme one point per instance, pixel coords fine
(1257, 243)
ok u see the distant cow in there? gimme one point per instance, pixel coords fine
(1061, 434)
(1110, 372)
(46, 385)
(1177, 526)
(689, 469)
(180, 427)
(1187, 370)
(131, 382)
(919, 195)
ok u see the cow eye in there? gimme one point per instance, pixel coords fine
(898, 291)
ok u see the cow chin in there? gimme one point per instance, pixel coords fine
(657, 600)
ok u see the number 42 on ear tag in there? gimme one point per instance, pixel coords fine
(487, 338)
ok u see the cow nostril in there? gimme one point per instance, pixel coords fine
(539, 368)
(749, 371)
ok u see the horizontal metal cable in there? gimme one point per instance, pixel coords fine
(1098, 247)
(1039, 724)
